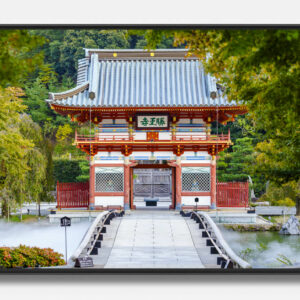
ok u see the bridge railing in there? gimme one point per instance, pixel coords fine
(213, 233)
(88, 243)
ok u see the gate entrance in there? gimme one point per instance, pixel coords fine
(152, 187)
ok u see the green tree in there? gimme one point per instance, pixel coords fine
(234, 166)
(65, 47)
(13, 145)
(48, 183)
(30, 186)
(21, 159)
(84, 171)
(259, 68)
(239, 161)
(18, 56)
(66, 170)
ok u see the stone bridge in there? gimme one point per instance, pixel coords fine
(150, 239)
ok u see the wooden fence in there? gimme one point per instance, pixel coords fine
(232, 194)
(73, 194)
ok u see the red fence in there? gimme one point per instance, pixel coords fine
(74, 194)
(232, 194)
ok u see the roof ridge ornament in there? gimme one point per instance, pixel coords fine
(92, 95)
(213, 95)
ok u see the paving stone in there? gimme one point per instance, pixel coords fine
(153, 239)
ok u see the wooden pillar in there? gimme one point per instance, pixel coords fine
(213, 180)
(92, 184)
(127, 182)
(178, 183)
(172, 206)
(126, 185)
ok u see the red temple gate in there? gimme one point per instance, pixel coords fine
(232, 194)
(72, 194)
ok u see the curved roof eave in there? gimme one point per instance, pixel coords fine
(69, 93)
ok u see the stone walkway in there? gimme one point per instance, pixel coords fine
(153, 239)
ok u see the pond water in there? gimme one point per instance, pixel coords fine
(264, 249)
(42, 234)
(260, 249)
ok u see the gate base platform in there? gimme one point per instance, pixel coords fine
(76, 215)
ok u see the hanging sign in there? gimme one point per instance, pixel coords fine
(65, 221)
(144, 122)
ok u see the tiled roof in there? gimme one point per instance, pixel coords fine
(140, 82)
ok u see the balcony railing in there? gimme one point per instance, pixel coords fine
(114, 138)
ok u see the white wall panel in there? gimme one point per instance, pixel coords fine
(102, 161)
(190, 200)
(164, 135)
(113, 153)
(107, 121)
(184, 121)
(199, 153)
(140, 135)
(109, 200)
(198, 121)
(121, 121)
(195, 161)
(141, 153)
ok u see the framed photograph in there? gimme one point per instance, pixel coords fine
(151, 150)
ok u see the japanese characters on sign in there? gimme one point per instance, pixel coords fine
(152, 122)
(65, 221)
(84, 262)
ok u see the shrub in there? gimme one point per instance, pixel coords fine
(24, 256)
(285, 202)
(284, 195)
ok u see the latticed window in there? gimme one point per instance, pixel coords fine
(195, 179)
(109, 179)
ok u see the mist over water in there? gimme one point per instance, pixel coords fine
(266, 247)
(43, 234)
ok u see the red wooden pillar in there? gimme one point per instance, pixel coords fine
(213, 186)
(178, 183)
(92, 185)
(58, 200)
(178, 186)
(126, 186)
(128, 183)
(173, 205)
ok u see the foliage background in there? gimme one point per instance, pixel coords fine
(258, 67)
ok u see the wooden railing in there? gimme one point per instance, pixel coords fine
(193, 137)
(72, 194)
(127, 138)
(232, 194)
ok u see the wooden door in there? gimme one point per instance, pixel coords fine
(152, 183)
